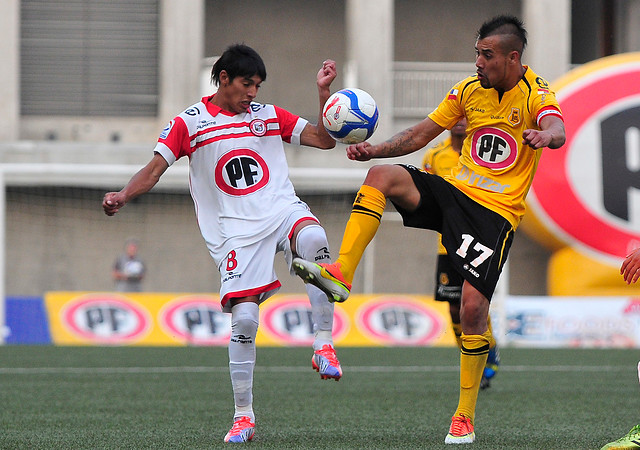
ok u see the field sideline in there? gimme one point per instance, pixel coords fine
(180, 398)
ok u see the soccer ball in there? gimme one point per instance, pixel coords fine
(350, 116)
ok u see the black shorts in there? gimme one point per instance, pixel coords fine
(477, 239)
(448, 282)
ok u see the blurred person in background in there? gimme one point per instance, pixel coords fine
(630, 271)
(129, 269)
(440, 160)
(246, 207)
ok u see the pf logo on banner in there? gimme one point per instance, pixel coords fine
(289, 321)
(399, 321)
(196, 320)
(106, 319)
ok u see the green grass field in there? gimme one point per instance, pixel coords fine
(174, 398)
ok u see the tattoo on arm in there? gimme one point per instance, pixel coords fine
(399, 145)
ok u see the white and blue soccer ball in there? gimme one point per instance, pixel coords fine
(350, 116)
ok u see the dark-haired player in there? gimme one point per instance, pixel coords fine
(512, 115)
(246, 206)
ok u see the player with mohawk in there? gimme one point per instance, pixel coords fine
(512, 116)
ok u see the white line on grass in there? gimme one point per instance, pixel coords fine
(291, 369)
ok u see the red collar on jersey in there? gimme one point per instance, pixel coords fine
(215, 109)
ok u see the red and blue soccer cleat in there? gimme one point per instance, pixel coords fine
(241, 431)
(325, 362)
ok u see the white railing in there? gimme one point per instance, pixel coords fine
(418, 87)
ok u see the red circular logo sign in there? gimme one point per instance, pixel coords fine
(399, 321)
(493, 148)
(106, 319)
(197, 320)
(289, 321)
(241, 172)
(587, 192)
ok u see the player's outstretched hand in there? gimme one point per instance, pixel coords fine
(112, 203)
(327, 73)
(630, 269)
(360, 152)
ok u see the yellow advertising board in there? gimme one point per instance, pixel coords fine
(108, 318)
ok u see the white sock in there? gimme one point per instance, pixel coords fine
(242, 356)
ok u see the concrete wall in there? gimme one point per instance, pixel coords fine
(293, 46)
(59, 239)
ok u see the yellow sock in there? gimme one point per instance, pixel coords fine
(473, 357)
(457, 333)
(361, 228)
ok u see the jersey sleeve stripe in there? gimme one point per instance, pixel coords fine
(549, 110)
(165, 152)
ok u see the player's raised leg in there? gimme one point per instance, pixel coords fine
(335, 279)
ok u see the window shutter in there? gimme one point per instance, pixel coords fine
(89, 57)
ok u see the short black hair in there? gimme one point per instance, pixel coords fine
(506, 25)
(239, 60)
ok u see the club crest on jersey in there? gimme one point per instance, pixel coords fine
(514, 117)
(241, 172)
(258, 127)
(493, 148)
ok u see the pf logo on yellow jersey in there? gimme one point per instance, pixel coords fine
(587, 193)
(493, 148)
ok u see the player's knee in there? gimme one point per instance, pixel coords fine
(384, 176)
(312, 244)
(244, 320)
(474, 311)
(379, 177)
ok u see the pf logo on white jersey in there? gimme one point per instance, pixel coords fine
(493, 148)
(241, 172)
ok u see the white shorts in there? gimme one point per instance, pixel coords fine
(249, 270)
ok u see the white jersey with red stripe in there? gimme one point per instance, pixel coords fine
(238, 172)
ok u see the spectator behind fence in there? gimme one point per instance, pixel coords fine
(129, 269)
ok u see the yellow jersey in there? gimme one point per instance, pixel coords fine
(495, 169)
(439, 160)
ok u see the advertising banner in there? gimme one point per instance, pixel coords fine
(104, 318)
(573, 322)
